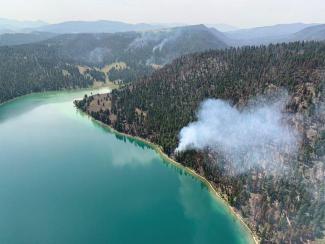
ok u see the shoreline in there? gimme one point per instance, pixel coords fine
(211, 188)
(158, 149)
(94, 87)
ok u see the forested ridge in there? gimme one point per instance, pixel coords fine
(29, 68)
(286, 208)
(77, 60)
(14, 39)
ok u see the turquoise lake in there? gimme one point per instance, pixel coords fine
(65, 179)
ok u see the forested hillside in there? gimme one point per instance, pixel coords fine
(280, 208)
(142, 52)
(27, 69)
(13, 39)
(76, 60)
(316, 33)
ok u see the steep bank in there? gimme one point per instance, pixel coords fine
(280, 208)
(112, 186)
(219, 197)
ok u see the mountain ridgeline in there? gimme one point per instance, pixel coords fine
(143, 48)
(283, 33)
(14, 39)
(281, 208)
(11, 26)
(231, 35)
(267, 34)
(27, 69)
(67, 61)
(313, 33)
(101, 26)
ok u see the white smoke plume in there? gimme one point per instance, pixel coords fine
(158, 39)
(256, 136)
(172, 36)
(98, 54)
(145, 39)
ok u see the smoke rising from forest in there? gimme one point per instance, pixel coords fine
(255, 136)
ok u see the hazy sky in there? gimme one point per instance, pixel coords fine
(241, 13)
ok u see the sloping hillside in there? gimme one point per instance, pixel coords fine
(10, 25)
(101, 26)
(26, 69)
(13, 39)
(142, 52)
(265, 34)
(84, 58)
(316, 33)
(282, 208)
(151, 47)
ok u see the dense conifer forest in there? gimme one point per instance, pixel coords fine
(55, 63)
(285, 208)
(25, 69)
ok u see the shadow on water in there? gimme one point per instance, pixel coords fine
(140, 144)
(120, 137)
(143, 145)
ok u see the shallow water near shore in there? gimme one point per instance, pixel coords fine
(66, 179)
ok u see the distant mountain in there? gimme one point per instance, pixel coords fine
(143, 48)
(266, 34)
(223, 37)
(78, 60)
(8, 25)
(102, 26)
(3, 31)
(223, 27)
(226, 35)
(12, 39)
(316, 33)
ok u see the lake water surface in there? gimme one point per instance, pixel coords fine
(65, 179)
